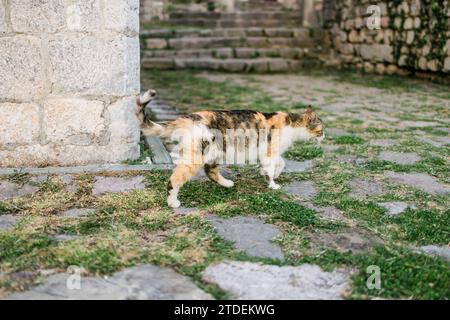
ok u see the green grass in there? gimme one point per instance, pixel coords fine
(424, 226)
(348, 140)
(302, 151)
(191, 92)
(403, 273)
(390, 83)
(137, 227)
(4, 209)
(99, 260)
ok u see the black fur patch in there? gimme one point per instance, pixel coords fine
(193, 117)
(269, 115)
(293, 118)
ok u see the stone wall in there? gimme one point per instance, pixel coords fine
(69, 77)
(413, 35)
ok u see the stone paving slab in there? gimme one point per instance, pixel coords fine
(404, 158)
(351, 159)
(438, 251)
(8, 222)
(420, 181)
(432, 142)
(436, 141)
(444, 140)
(337, 132)
(383, 117)
(184, 211)
(68, 181)
(254, 281)
(444, 129)
(77, 212)
(39, 179)
(250, 235)
(328, 212)
(395, 208)
(418, 124)
(11, 190)
(293, 166)
(301, 189)
(64, 237)
(329, 147)
(383, 142)
(19, 279)
(354, 240)
(362, 188)
(146, 282)
(115, 184)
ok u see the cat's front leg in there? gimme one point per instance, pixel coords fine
(279, 167)
(269, 168)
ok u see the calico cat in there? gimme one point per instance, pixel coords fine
(210, 138)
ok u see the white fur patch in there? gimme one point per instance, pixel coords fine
(225, 182)
(147, 97)
(289, 135)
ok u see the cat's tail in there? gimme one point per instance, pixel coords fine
(148, 127)
(146, 98)
(154, 129)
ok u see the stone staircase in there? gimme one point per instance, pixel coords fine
(241, 19)
(231, 49)
(258, 5)
(268, 40)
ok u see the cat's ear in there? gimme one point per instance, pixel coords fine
(309, 115)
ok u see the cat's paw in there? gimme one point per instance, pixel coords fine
(274, 186)
(173, 203)
(226, 183)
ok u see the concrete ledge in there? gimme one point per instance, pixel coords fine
(94, 168)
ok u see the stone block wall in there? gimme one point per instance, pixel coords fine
(413, 35)
(69, 78)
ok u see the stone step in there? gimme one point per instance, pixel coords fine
(166, 33)
(230, 65)
(162, 111)
(242, 15)
(258, 5)
(239, 53)
(164, 117)
(158, 111)
(236, 23)
(301, 40)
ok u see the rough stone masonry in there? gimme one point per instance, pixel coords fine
(69, 74)
(411, 35)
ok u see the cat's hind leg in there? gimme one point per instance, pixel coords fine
(213, 173)
(180, 175)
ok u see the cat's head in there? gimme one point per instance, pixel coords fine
(308, 120)
(142, 101)
(313, 124)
